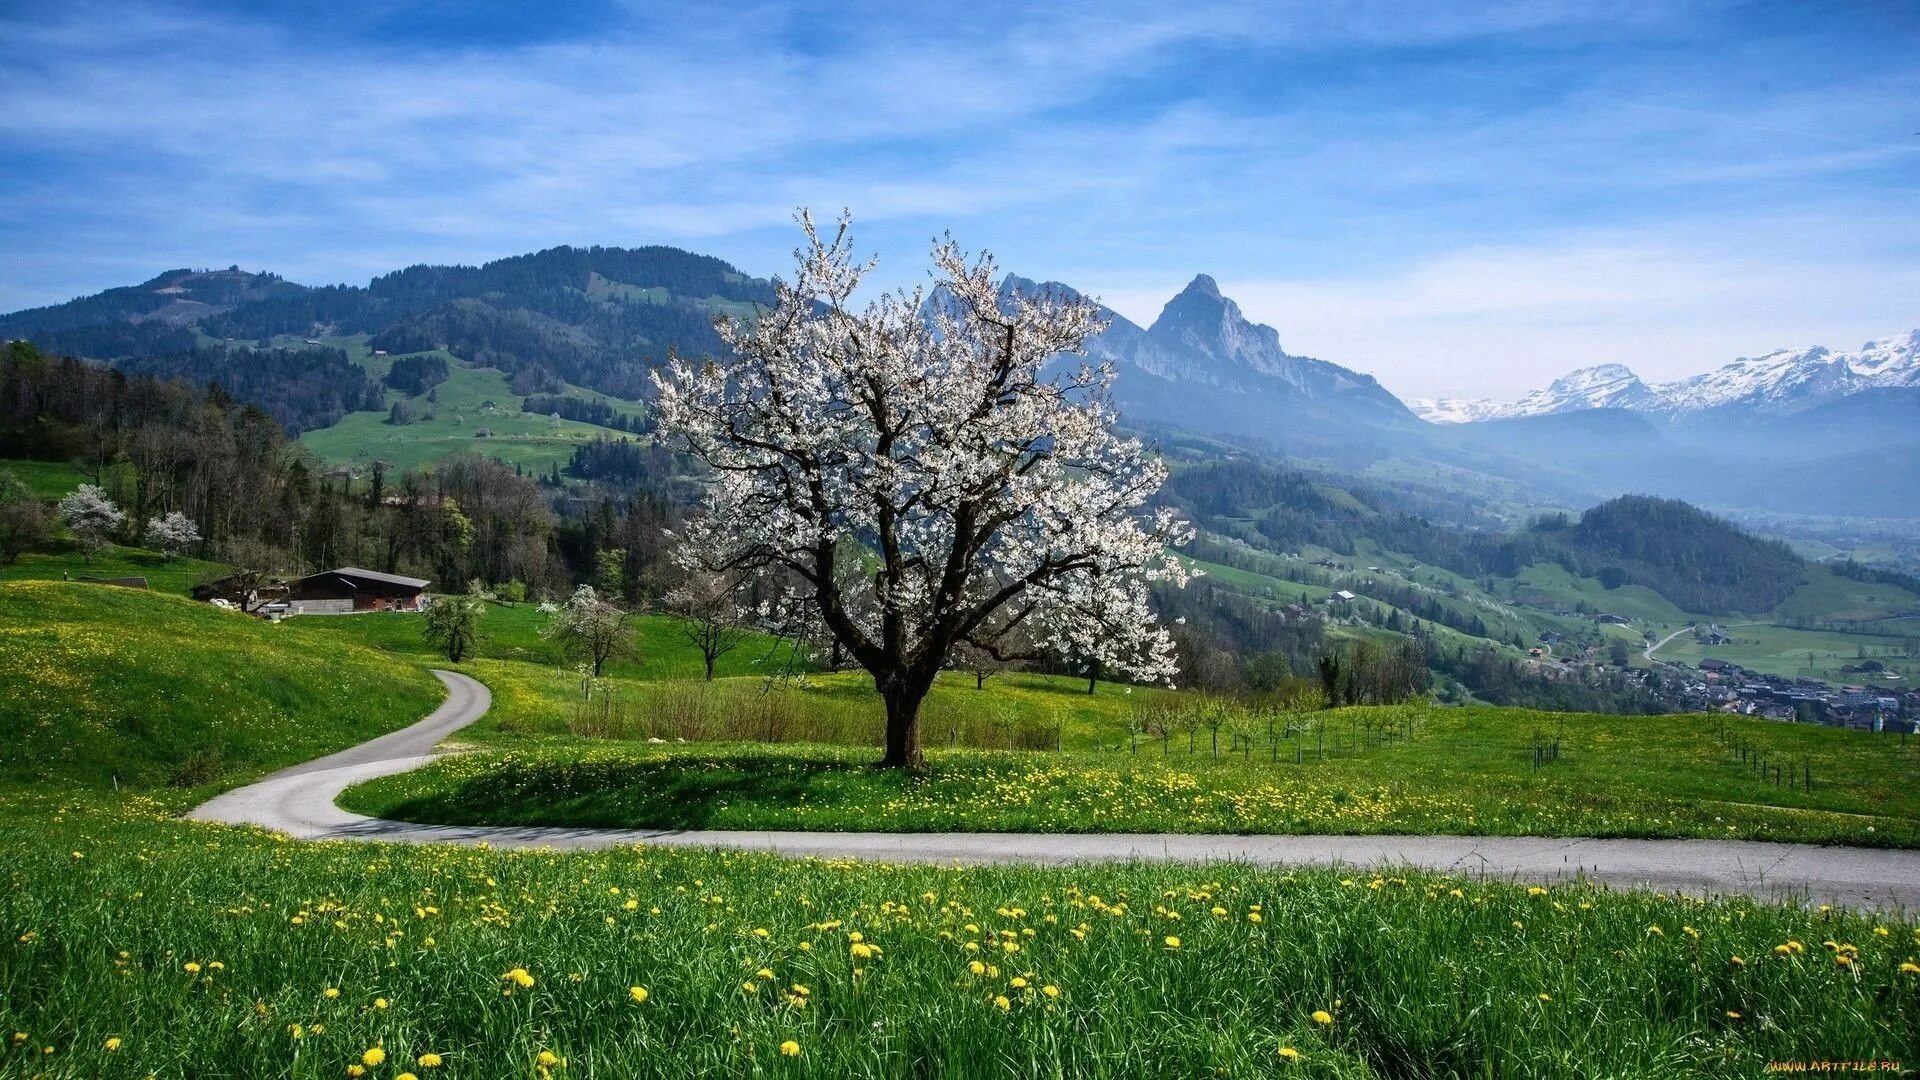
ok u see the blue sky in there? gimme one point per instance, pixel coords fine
(1462, 199)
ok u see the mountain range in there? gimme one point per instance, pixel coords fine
(1804, 429)
(1777, 384)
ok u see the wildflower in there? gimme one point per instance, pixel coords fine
(1289, 1053)
(330, 992)
(759, 932)
(1737, 962)
(519, 977)
(547, 1059)
(1000, 1000)
(296, 1031)
(749, 986)
(1908, 967)
(638, 994)
(356, 1070)
(1253, 916)
(1172, 942)
(861, 951)
(1322, 1016)
(1655, 931)
(1731, 1015)
(806, 946)
(113, 1044)
(790, 1049)
(381, 1003)
(428, 1061)
(1050, 990)
(1018, 983)
(1546, 997)
(1535, 890)
(373, 1057)
(190, 968)
(406, 1076)
(764, 973)
(976, 967)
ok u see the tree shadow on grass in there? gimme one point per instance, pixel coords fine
(676, 793)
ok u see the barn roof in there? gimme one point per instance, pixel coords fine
(374, 575)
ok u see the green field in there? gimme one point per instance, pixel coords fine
(45, 479)
(135, 944)
(138, 946)
(168, 575)
(99, 683)
(1466, 771)
(1780, 650)
(461, 414)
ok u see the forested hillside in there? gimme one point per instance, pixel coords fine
(1700, 562)
(595, 317)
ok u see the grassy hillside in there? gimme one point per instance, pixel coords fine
(98, 682)
(167, 575)
(45, 479)
(470, 400)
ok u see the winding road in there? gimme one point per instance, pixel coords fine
(299, 802)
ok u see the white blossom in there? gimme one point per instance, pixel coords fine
(920, 444)
(173, 533)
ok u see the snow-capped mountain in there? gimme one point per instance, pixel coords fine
(1779, 383)
(1204, 365)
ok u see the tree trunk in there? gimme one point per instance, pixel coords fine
(708, 657)
(903, 695)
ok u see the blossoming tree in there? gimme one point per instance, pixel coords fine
(985, 498)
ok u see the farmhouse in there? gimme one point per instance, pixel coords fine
(350, 588)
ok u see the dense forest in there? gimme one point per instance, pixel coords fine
(1700, 562)
(415, 375)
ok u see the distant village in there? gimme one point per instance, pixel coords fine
(1728, 687)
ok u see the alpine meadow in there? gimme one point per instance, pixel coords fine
(502, 576)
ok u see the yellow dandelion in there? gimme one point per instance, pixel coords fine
(1322, 1016)
(113, 1044)
(1289, 1053)
(790, 1049)
(1000, 1001)
(330, 992)
(638, 994)
(373, 1057)
(428, 1061)
(1050, 990)
(1172, 942)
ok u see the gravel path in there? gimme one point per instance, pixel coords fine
(300, 802)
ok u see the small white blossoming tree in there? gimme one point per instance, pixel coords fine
(91, 517)
(175, 533)
(985, 498)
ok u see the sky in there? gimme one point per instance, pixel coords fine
(1464, 200)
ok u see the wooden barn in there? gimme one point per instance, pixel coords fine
(337, 592)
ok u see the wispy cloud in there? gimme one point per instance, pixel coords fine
(1433, 190)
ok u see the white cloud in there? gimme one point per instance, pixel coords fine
(1501, 321)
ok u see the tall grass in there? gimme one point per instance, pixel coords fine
(781, 711)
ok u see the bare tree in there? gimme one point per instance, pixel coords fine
(989, 496)
(710, 615)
